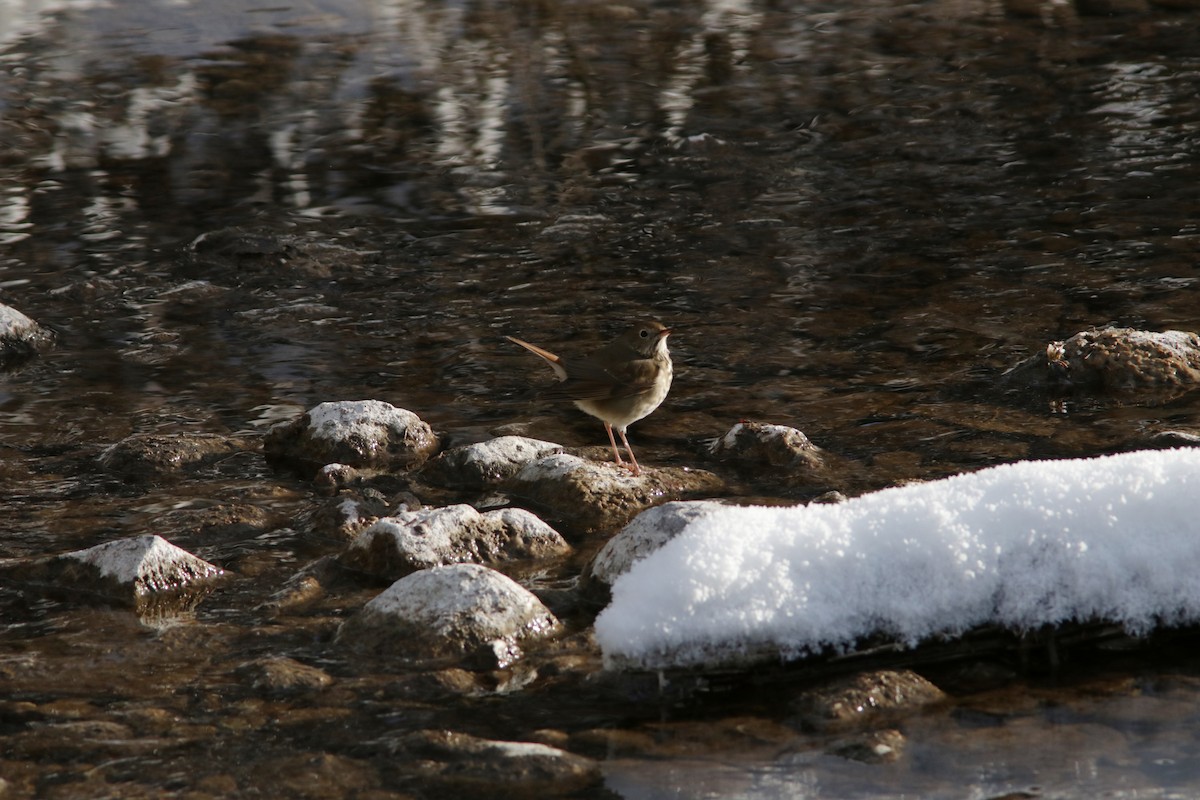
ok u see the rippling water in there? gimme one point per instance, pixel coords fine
(858, 215)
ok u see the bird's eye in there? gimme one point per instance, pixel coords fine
(644, 333)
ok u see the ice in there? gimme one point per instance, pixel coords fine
(1022, 545)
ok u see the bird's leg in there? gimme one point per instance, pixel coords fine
(613, 442)
(635, 469)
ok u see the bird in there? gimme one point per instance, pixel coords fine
(618, 384)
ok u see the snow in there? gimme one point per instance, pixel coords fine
(1023, 545)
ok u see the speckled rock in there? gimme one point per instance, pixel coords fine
(864, 698)
(20, 337)
(462, 612)
(397, 545)
(145, 572)
(158, 455)
(486, 463)
(1115, 359)
(648, 531)
(580, 496)
(363, 433)
(760, 444)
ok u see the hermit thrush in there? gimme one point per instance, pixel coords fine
(618, 384)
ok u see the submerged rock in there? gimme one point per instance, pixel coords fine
(467, 766)
(1115, 359)
(278, 675)
(414, 540)
(145, 572)
(865, 698)
(20, 337)
(487, 463)
(151, 455)
(346, 516)
(582, 496)
(457, 612)
(363, 433)
(648, 531)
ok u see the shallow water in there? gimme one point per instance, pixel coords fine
(858, 215)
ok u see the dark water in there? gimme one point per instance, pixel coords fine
(857, 214)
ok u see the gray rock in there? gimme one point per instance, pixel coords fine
(21, 337)
(760, 444)
(397, 545)
(346, 516)
(144, 572)
(581, 496)
(363, 433)
(648, 531)
(457, 612)
(487, 463)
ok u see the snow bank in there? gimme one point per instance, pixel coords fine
(1022, 545)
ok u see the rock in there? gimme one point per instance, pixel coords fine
(582, 496)
(414, 540)
(648, 531)
(760, 444)
(21, 337)
(864, 698)
(223, 521)
(468, 766)
(282, 676)
(451, 613)
(1121, 359)
(875, 747)
(487, 463)
(144, 572)
(262, 257)
(363, 433)
(344, 517)
(157, 455)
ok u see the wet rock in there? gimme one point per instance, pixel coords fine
(283, 676)
(760, 444)
(414, 540)
(1114, 359)
(363, 433)
(462, 611)
(157, 455)
(144, 572)
(468, 766)
(487, 463)
(875, 747)
(266, 257)
(865, 698)
(346, 516)
(582, 496)
(21, 337)
(648, 531)
(221, 521)
(304, 589)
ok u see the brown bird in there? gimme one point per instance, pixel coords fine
(618, 384)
